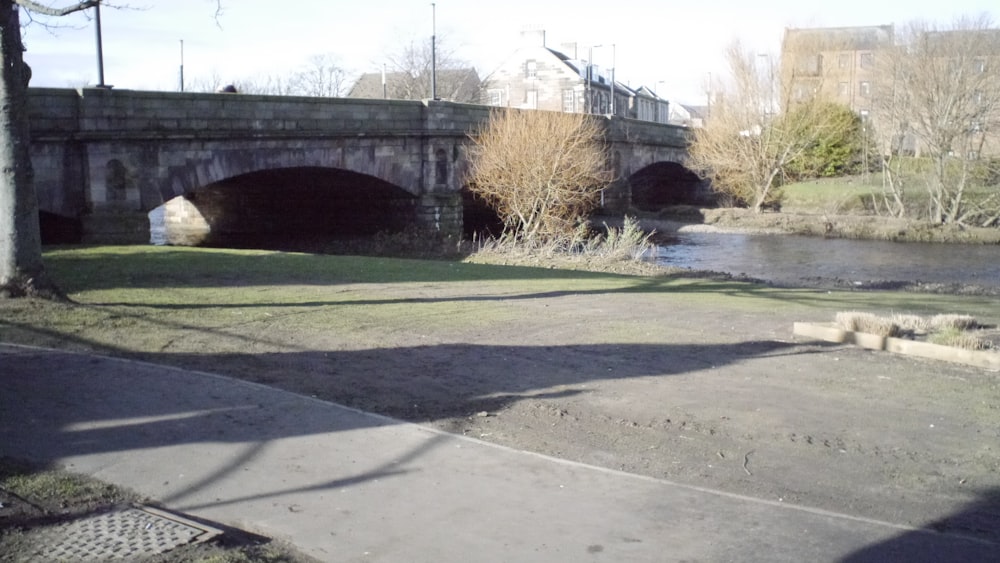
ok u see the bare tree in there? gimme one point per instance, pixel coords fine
(264, 84)
(322, 76)
(411, 68)
(541, 171)
(747, 144)
(22, 271)
(939, 102)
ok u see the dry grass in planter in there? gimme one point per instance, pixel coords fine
(946, 330)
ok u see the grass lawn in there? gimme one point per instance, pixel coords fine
(139, 300)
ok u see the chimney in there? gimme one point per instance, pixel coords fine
(569, 49)
(531, 37)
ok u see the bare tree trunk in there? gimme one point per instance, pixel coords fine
(21, 270)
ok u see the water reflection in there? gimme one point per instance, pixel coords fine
(793, 259)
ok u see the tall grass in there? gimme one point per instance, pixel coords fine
(628, 243)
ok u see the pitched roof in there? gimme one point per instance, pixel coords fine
(461, 84)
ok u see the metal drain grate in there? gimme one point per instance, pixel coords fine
(123, 535)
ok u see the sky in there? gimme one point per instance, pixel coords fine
(670, 47)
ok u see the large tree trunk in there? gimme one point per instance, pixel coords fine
(21, 270)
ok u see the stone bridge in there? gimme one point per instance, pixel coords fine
(198, 166)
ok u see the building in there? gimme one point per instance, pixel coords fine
(687, 115)
(839, 63)
(453, 85)
(947, 82)
(538, 77)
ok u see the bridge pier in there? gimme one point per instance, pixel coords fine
(441, 213)
(114, 227)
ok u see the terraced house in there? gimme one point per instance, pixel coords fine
(536, 76)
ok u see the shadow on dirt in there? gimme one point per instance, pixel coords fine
(957, 537)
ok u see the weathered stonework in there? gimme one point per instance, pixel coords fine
(104, 155)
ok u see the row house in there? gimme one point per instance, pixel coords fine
(538, 77)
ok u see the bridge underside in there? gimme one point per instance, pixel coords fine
(663, 184)
(293, 208)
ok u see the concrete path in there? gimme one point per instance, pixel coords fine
(343, 485)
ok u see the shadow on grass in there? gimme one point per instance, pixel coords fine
(84, 269)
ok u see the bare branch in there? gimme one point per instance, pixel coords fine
(541, 171)
(50, 11)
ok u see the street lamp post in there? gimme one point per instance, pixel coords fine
(590, 66)
(613, 57)
(100, 49)
(769, 67)
(590, 79)
(182, 66)
(434, 87)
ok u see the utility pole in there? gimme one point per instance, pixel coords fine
(434, 86)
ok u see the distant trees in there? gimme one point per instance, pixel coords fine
(320, 76)
(937, 118)
(747, 146)
(409, 71)
(541, 171)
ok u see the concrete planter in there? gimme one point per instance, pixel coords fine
(830, 333)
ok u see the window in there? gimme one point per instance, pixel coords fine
(531, 69)
(843, 89)
(867, 60)
(569, 101)
(844, 60)
(864, 115)
(495, 97)
(865, 88)
(979, 65)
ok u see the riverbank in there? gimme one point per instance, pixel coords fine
(849, 226)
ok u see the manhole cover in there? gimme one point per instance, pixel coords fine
(123, 534)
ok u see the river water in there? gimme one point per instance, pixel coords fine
(809, 261)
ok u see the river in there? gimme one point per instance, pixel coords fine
(810, 261)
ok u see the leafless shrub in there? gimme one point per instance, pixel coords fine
(541, 171)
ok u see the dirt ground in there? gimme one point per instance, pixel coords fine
(711, 397)
(691, 385)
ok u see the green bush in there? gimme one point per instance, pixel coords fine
(838, 156)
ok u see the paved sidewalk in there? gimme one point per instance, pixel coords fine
(343, 485)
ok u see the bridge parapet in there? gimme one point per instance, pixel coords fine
(94, 112)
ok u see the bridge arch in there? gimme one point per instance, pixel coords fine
(394, 161)
(665, 183)
(294, 207)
